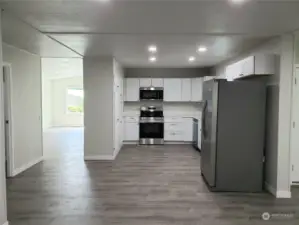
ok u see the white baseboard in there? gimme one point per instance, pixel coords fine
(115, 153)
(165, 142)
(26, 166)
(6, 223)
(98, 157)
(270, 188)
(276, 193)
(130, 142)
(283, 194)
(102, 157)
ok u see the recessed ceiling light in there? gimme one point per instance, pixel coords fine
(191, 59)
(237, 1)
(152, 59)
(152, 48)
(202, 49)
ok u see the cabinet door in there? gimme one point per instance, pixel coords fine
(174, 135)
(248, 66)
(238, 69)
(132, 89)
(186, 90)
(131, 131)
(229, 73)
(157, 82)
(196, 90)
(172, 90)
(145, 82)
(188, 129)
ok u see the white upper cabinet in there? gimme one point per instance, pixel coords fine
(196, 94)
(247, 66)
(186, 90)
(145, 82)
(172, 90)
(261, 64)
(229, 73)
(132, 89)
(157, 82)
(175, 89)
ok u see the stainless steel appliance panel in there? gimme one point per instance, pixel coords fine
(209, 131)
(151, 125)
(240, 136)
(151, 141)
(151, 93)
(233, 130)
(195, 134)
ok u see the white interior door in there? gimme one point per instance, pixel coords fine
(295, 132)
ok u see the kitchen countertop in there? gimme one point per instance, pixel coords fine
(196, 115)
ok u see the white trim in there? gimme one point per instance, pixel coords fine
(27, 166)
(102, 157)
(98, 157)
(270, 188)
(115, 153)
(283, 194)
(130, 142)
(165, 143)
(8, 91)
(6, 223)
(277, 194)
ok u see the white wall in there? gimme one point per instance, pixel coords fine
(118, 105)
(26, 106)
(278, 112)
(98, 107)
(284, 119)
(60, 117)
(3, 209)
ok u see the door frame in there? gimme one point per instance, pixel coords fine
(7, 72)
(294, 121)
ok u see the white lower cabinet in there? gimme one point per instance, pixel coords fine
(131, 129)
(178, 129)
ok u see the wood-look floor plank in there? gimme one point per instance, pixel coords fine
(144, 185)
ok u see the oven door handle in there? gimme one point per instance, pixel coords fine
(151, 122)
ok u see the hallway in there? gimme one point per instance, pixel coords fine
(63, 143)
(144, 185)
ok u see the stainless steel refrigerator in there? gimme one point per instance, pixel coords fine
(233, 130)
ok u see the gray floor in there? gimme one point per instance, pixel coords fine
(144, 186)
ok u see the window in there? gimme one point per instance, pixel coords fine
(75, 100)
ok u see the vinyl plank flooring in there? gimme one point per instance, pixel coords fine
(144, 185)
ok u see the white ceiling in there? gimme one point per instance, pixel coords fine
(173, 50)
(56, 68)
(123, 28)
(21, 35)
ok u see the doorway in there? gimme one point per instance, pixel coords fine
(7, 97)
(62, 108)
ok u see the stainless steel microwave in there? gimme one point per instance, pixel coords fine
(151, 93)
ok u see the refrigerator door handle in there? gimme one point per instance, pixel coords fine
(203, 120)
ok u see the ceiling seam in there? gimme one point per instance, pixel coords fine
(47, 35)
